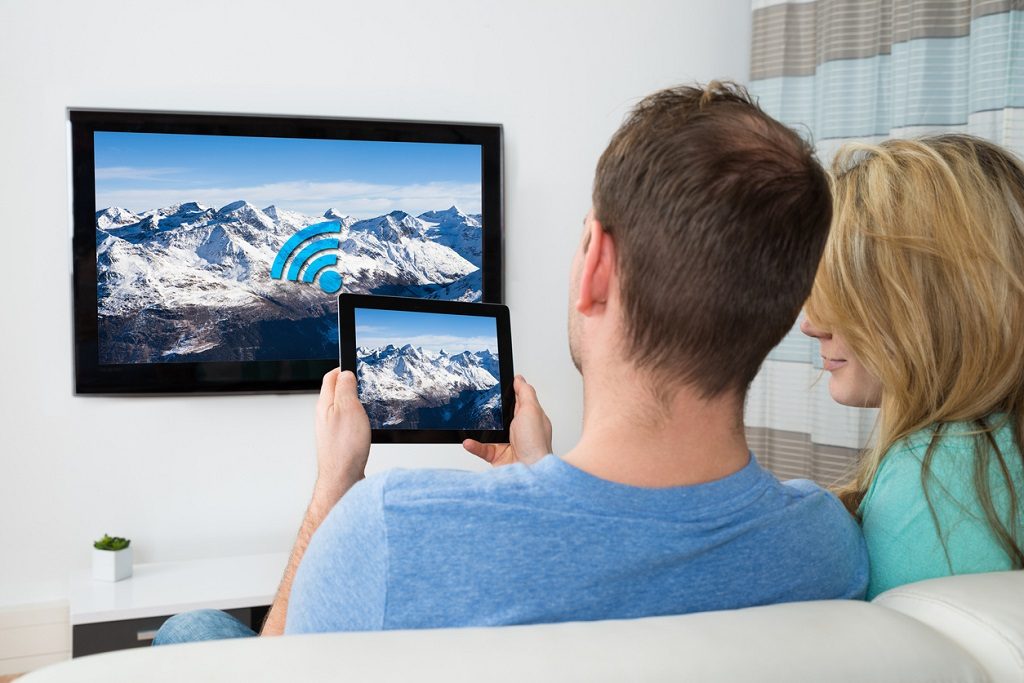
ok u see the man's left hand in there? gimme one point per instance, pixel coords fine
(342, 437)
(342, 447)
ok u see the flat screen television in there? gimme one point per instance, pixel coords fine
(209, 250)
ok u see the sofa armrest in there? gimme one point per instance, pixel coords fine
(983, 613)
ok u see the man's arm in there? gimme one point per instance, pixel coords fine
(342, 446)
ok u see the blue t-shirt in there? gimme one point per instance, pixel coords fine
(549, 542)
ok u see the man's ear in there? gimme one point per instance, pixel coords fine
(598, 270)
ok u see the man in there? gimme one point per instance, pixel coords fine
(708, 221)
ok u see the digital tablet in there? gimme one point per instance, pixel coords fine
(429, 371)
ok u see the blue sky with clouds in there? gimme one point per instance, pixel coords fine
(143, 171)
(432, 331)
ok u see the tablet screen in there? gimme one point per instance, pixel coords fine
(428, 370)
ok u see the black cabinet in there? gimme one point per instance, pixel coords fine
(105, 636)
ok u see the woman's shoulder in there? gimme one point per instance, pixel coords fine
(912, 535)
(951, 449)
(950, 445)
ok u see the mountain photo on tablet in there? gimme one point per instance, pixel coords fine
(427, 370)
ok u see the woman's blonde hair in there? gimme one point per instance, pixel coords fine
(923, 274)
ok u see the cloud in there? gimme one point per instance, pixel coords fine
(136, 173)
(452, 344)
(357, 199)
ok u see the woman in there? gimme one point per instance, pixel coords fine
(919, 309)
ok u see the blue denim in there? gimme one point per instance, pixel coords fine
(201, 624)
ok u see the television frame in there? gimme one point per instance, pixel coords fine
(277, 376)
(347, 305)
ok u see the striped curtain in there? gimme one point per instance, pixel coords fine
(866, 70)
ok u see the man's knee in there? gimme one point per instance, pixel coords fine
(199, 625)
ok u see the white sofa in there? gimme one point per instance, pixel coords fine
(963, 629)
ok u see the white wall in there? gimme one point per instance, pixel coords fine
(194, 477)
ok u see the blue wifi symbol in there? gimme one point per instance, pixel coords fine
(330, 281)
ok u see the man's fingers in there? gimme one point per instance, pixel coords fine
(345, 388)
(475, 447)
(327, 389)
(524, 390)
(526, 395)
(484, 451)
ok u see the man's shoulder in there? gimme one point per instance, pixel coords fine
(820, 518)
(825, 536)
(425, 487)
(810, 499)
(802, 488)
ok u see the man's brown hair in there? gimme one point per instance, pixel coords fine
(719, 214)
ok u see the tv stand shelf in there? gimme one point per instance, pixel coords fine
(114, 616)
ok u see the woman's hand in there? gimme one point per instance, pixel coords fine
(529, 433)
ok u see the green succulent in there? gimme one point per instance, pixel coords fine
(111, 543)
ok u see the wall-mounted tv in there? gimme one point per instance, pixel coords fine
(209, 249)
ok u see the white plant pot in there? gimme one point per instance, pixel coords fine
(111, 565)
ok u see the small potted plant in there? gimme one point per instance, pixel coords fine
(111, 558)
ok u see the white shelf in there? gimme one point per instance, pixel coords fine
(172, 587)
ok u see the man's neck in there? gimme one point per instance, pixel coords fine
(631, 437)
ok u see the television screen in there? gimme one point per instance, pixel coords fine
(209, 250)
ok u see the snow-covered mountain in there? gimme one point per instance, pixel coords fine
(115, 217)
(189, 282)
(390, 254)
(413, 388)
(461, 232)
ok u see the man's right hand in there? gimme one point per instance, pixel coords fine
(529, 433)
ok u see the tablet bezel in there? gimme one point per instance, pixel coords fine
(347, 303)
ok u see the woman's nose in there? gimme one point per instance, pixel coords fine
(808, 328)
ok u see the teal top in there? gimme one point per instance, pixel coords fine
(903, 542)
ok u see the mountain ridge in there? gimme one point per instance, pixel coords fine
(183, 282)
(410, 387)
